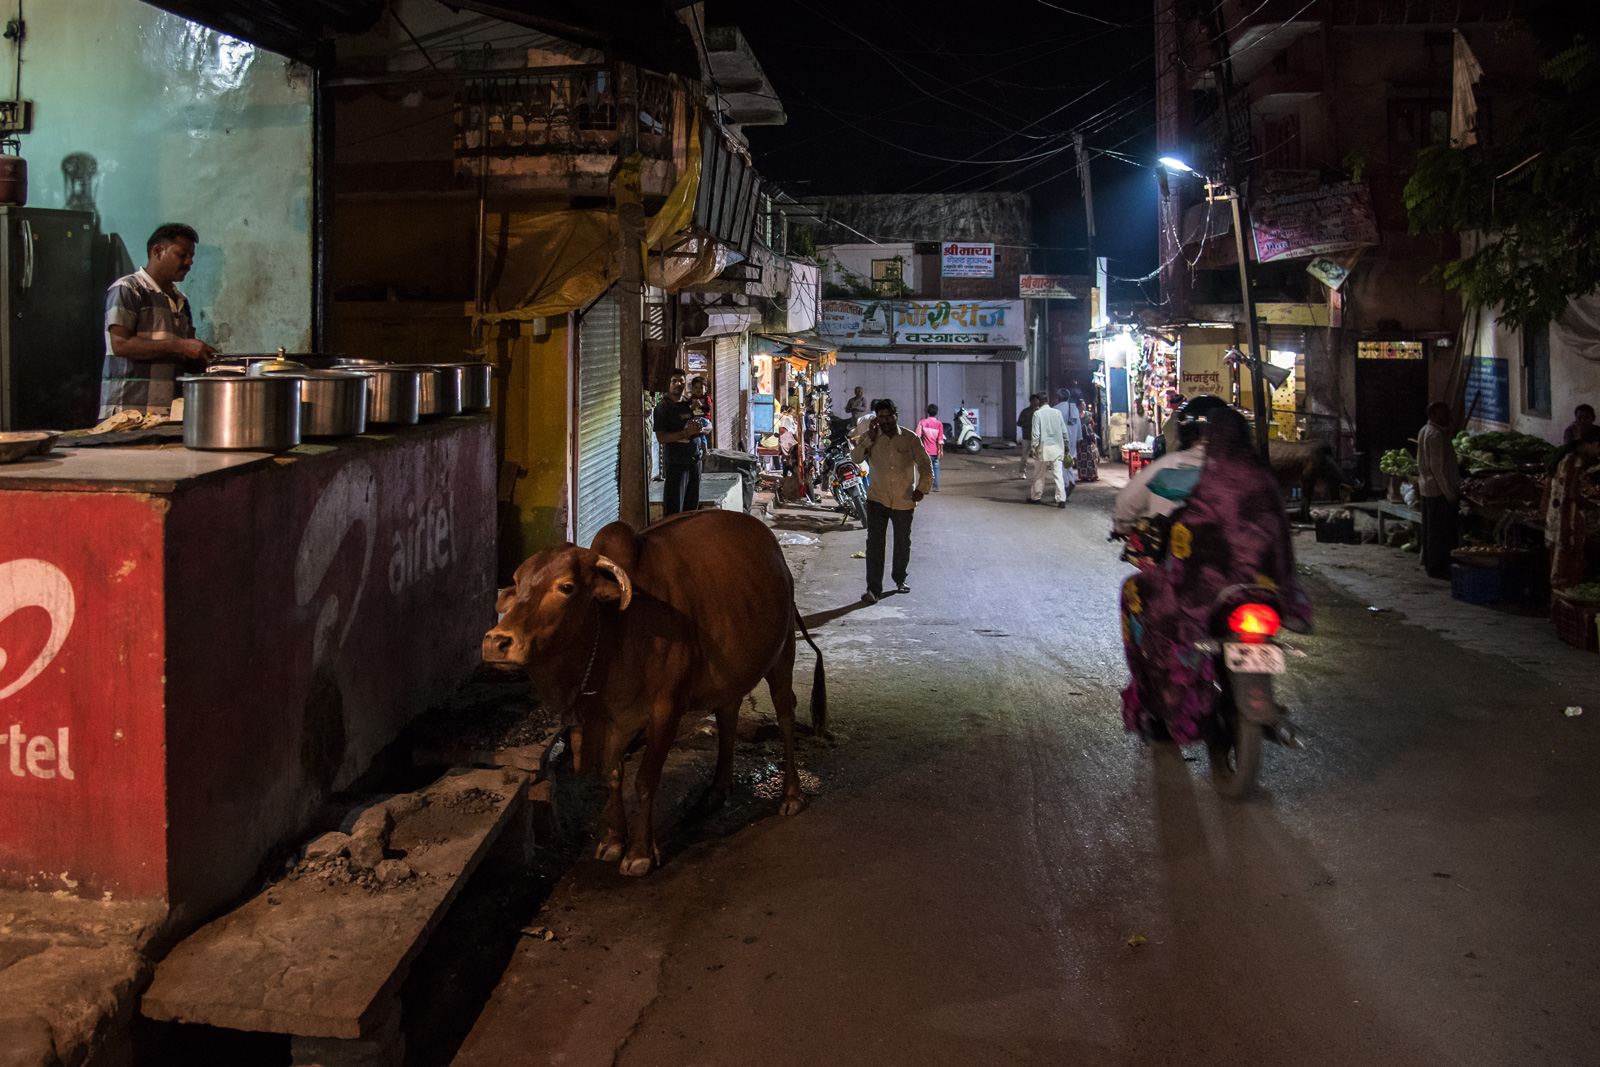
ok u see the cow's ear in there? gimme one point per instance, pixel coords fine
(503, 602)
(611, 583)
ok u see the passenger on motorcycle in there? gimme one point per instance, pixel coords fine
(1230, 530)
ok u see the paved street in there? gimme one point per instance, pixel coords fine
(985, 840)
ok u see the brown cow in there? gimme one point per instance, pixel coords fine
(1306, 466)
(626, 637)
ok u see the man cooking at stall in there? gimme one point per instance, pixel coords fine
(150, 328)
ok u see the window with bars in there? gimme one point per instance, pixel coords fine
(888, 276)
(1536, 371)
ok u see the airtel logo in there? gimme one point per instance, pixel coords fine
(33, 583)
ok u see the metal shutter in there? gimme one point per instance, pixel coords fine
(599, 417)
(725, 374)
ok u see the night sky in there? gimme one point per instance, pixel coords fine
(912, 96)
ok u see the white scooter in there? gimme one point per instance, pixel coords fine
(964, 434)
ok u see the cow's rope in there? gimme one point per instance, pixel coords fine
(593, 652)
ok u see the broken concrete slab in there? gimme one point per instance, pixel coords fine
(321, 956)
(69, 973)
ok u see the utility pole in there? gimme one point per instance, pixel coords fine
(1258, 383)
(1086, 185)
(633, 491)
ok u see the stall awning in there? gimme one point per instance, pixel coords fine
(639, 31)
(802, 347)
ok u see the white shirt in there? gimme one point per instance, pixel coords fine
(1138, 501)
(899, 464)
(1049, 433)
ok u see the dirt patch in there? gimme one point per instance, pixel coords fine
(471, 801)
(490, 713)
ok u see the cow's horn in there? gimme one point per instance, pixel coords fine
(606, 564)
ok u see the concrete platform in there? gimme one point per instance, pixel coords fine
(321, 958)
(70, 970)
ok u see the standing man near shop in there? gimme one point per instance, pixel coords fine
(1071, 409)
(150, 328)
(682, 439)
(1439, 486)
(901, 476)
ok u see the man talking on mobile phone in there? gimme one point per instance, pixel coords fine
(901, 475)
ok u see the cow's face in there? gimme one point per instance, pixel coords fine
(551, 600)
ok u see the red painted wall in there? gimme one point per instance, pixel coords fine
(81, 577)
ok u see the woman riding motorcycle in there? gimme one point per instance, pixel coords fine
(1231, 530)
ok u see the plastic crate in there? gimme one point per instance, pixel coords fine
(1577, 622)
(1475, 585)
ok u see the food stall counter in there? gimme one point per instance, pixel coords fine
(196, 647)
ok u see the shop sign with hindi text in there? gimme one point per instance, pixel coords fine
(986, 323)
(1052, 286)
(962, 260)
(855, 323)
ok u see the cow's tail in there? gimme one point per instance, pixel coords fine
(819, 682)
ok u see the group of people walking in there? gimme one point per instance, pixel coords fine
(1059, 445)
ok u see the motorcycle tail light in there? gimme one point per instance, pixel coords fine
(1254, 623)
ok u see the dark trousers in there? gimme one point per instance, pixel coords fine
(680, 489)
(1439, 519)
(878, 520)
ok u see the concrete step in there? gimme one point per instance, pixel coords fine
(321, 953)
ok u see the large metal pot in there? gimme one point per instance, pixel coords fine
(477, 384)
(334, 402)
(394, 396)
(235, 412)
(441, 390)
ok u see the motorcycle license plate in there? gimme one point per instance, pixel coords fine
(1253, 659)
(848, 480)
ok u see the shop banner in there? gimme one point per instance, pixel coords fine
(1330, 218)
(967, 260)
(1489, 394)
(1052, 286)
(988, 323)
(855, 323)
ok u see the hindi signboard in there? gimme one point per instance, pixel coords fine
(855, 323)
(1330, 218)
(1052, 286)
(985, 323)
(963, 260)
(1488, 396)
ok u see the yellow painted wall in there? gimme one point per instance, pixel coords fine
(534, 403)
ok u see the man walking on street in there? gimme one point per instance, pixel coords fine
(1072, 414)
(682, 438)
(931, 430)
(1049, 449)
(1025, 424)
(856, 406)
(1439, 486)
(900, 475)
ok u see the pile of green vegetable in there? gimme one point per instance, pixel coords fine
(1398, 462)
(1586, 591)
(1499, 449)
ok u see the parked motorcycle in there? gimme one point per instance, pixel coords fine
(963, 434)
(1248, 655)
(841, 474)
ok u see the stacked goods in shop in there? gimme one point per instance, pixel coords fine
(1502, 450)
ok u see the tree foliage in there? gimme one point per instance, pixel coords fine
(1532, 192)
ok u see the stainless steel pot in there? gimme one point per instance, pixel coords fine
(394, 396)
(477, 384)
(349, 363)
(441, 390)
(236, 412)
(333, 402)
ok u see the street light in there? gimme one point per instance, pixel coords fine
(1217, 190)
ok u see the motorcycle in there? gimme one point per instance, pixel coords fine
(1248, 655)
(963, 434)
(841, 474)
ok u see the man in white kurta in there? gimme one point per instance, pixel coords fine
(1049, 448)
(1072, 415)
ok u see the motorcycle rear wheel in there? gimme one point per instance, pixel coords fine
(1234, 748)
(858, 507)
(972, 446)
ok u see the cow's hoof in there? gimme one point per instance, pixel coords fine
(791, 806)
(710, 801)
(637, 866)
(609, 851)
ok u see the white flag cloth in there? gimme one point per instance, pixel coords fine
(1463, 105)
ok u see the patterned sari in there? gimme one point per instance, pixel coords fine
(1231, 531)
(1565, 529)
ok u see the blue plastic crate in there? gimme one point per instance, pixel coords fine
(1475, 585)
